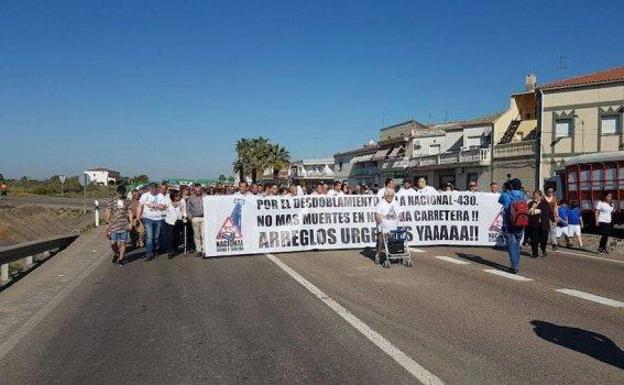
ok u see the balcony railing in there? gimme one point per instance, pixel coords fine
(477, 155)
(509, 150)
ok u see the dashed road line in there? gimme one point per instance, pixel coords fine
(452, 260)
(515, 277)
(408, 363)
(592, 297)
(414, 250)
(590, 256)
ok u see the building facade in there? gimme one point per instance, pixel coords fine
(102, 176)
(580, 115)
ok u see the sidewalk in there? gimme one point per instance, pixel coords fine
(25, 304)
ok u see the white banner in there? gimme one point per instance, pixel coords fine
(249, 225)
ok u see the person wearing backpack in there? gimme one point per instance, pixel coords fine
(515, 219)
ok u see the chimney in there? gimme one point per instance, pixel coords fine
(530, 81)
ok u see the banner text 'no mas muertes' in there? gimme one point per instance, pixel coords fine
(251, 225)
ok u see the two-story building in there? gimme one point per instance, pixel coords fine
(312, 171)
(580, 115)
(455, 152)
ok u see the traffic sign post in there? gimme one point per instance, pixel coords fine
(62, 178)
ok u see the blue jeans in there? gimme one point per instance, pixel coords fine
(513, 236)
(153, 230)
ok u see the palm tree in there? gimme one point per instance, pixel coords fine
(279, 158)
(242, 165)
(259, 157)
(254, 156)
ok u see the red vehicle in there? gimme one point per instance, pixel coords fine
(587, 177)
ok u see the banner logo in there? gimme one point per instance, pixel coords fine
(230, 236)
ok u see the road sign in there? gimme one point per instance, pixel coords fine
(62, 178)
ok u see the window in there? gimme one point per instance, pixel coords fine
(473, 142)
(434, 149)
(563, 128)
(609, 124)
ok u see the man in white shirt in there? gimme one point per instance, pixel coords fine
(407, 188)
(423, 188)
(319, 190)
(243, 189)
(337, 190)
(152, 212)
(388, 185)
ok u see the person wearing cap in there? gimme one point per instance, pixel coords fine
(513, 235)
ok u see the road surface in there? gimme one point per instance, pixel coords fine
(328, 317)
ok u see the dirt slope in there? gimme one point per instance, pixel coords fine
(29, 223)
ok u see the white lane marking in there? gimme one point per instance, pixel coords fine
(414, 250)
(27, 327)
(414, 368)
(590, 256)
(515, 277)
(453, 260)
(592, 297)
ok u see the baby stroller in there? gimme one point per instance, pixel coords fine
(394, 248)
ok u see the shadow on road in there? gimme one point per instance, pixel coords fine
(592, 344)
(482, 261)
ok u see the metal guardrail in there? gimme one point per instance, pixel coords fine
(26, 250)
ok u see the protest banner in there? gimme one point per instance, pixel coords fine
(249, 225)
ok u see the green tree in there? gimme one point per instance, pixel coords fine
(222, 178)
(140, 179)
(231, 179)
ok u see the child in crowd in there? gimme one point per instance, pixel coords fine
(562, 222)
(575, 223)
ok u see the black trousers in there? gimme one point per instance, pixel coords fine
(605, 231)
(173, 235)
(538, 238)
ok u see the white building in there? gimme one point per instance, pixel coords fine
(313, 170)
(102, 176)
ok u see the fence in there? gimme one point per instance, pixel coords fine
(28, 250)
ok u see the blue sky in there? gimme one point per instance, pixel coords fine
(166, 88)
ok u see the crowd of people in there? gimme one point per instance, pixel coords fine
(542, 219)
(163, 218)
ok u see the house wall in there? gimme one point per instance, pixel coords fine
(425, 141)
(395, 132)
(584, 107)
(479, 131)
(523, 168)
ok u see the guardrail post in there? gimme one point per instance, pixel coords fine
(97, 214)
(4, 272)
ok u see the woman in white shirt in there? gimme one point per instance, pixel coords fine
(604, 209)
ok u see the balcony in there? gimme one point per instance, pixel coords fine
(480, 156)
(510, 150)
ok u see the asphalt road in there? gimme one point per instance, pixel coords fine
(244, 320)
